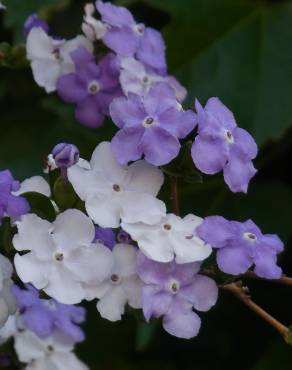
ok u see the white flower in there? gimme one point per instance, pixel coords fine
(45, 354)
(173, 237)
(9, 330)
(135, 78)
(62, 256)
(121, 287)
(7, 300)
(112, 192)
(51, 58)
(93, 28)
(2, 6)
(36, 184)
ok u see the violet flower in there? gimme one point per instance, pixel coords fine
(34, 21)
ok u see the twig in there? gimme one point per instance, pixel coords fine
(282, 280)
(242, 294)
(174, 194)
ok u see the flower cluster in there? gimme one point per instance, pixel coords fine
(116, 242)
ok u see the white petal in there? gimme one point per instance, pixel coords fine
(6, 268)
(37, 184)
(112, 305)
(97, 291)
(32, 270)
(69, 46)
(72, 228)
(4, 312)
(46, 73)
(29, 346)
(190, 250)
(39, 45)
(125, 259)
(144, 178)
(132, 286)
(34, 234)
(67, 361)
(105, 212)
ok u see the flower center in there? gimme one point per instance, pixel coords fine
(115, 279)
(145, 80)
(59, 257)
(93, 87)
(139, 29)
(229, 137)
(174, 286)
(50, 348)
(148, 121)
(250, 237)
(116, 188)
(167, 227)
(56, 54)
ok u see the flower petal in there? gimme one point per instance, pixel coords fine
(233, 261)
(125, 144)
(112, 305)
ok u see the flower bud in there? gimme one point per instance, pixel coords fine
(123, 237)
(34, 21)
(65, 155)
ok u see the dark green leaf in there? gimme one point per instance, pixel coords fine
(64, 194)
(41, 205)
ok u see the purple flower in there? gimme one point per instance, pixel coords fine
(65, 155)
(221, 145)
(149, 126)
(92, 87)
(11, 205)
(128, 38)
(45, 317)
(172, 291)
(34, 21)
(106, 236)
(242, 245)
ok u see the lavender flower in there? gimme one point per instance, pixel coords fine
(128, 38)
(149, 125)
(45, 317)
(65, 155)
(242, 245)
(92, 87)
(105, 236)
(34, 21)
(221, 145)
(172, 291)
(10, 204)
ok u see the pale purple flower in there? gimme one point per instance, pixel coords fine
(105, 236)
(221, 145)
(65, 155)
(48, 317)
(11, 205)
(241, 245)
(92, 87)
(172, 291)
(128, 38)
(34, 21)
(151, 126)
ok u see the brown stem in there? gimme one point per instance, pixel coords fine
(282, 280)
(242, 294)
(174, 194)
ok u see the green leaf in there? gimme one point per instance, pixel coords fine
(6, 234)
(279, 356)
(64, 194)
(41, 205)
(145, 333)
(12, 56)
(239, 51)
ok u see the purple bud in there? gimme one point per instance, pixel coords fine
(34, 21)
(123, 237)
(65, 155)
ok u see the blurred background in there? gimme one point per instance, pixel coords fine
(240, 51)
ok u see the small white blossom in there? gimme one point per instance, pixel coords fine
(7, 300)
(51, 58)
(121, 287)
(34, 184)
(112, 192)
(93, 28)
(61, 257)
(173, 237)
(135, 78)
(45, 354)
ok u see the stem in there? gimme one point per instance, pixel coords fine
(282, 280)
(242, 294)
(174, 194)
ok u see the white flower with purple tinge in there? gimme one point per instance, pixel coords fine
(92, 28)
(150, 125)
(171, 238)
(136, 78)
(221, 145)
(242, 245)
(172, 291)
(122, 285)
(50, 58)
(7, 300)
(92, 87)
(128, 38)
(61, 257)
(45, 354)
(113, 192)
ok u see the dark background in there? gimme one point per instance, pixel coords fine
(240, 51)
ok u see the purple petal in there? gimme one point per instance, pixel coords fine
(125, 144)
(238, 173)
(123, 41)
(266, 266)
(160, 98)
(216, 231)
(218, 110)
(209, 155)
(39, 321)
(244, 144)
(181, 321)
(178, 123)
(17, 206)
(151, 50)
(81, 56)
(88, 113)
(155, 302)
(159, 146)
(71, 89)
(233, 261)
(127, 112)
(106, 236)
(115, 15)
(273, 242)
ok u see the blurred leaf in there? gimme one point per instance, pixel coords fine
(6, 233)
(12, 56)
(145, 333)
(237, 50)
(64, 195)
(41, 205)
(278, 356)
